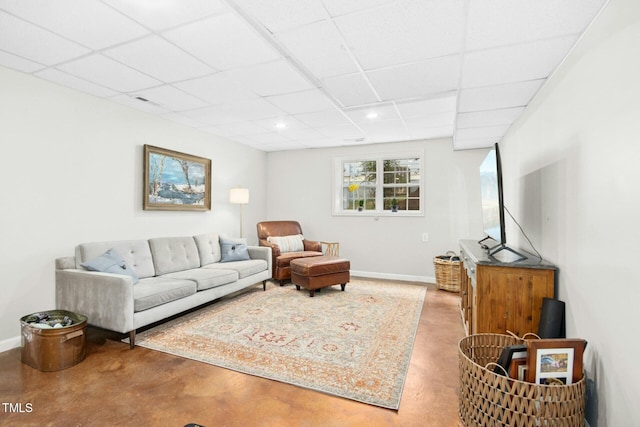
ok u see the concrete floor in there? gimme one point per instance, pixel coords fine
(118, 386)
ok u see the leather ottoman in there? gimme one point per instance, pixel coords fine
(320, 272)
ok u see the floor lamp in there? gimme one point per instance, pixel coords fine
(239, 196)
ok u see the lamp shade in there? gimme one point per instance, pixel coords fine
(239, 196)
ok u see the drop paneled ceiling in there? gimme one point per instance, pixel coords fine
(297, 74)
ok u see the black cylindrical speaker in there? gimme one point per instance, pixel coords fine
(552, 319)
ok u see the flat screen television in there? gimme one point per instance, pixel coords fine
(491, 191)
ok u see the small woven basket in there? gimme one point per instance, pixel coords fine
(487, 399)
(447, 271)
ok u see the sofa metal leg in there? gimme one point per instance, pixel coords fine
(264, 285)
(343, 285)
(132, 339)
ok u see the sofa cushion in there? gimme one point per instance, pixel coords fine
(208, 248)
(135, 252)
(174, 254)
(111, 262)
(244, 268)
(206, 278)
(154, 291)
(288, 243)
(233, 250)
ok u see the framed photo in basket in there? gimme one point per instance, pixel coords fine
(508, 356)
(518, 368)
(553, 360)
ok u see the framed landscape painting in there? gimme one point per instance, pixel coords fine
(175, 181)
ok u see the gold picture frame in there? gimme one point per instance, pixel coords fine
(175, 181)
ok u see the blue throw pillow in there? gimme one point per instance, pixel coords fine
(111, 262)
(233, 250)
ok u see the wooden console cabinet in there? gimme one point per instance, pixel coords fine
(497, 296)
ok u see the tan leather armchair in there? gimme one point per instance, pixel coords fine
(281, 260)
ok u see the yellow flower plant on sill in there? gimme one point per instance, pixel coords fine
(353, 187)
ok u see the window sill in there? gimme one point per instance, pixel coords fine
(379, 214)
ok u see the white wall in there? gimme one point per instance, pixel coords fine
(72, 172)
(300, 188)
(573, 179)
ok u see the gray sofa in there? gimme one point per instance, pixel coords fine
(174, 274)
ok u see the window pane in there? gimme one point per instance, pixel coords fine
(399, 187)
(358, 184)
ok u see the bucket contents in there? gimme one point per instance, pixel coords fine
(45, 321)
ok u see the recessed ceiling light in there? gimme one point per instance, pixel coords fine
(281, 125)
(372, 115)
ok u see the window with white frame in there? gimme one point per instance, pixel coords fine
(379, 184)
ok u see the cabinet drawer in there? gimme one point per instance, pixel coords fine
(470, 266)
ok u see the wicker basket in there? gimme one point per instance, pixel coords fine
(447, 271)
(490, 400)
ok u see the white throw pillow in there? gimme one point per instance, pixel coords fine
(288, 243)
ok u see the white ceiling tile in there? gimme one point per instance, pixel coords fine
(278, 15)
(522, 21)
(495, 97)
(304, 135)
(416, 80)
(273, 78)
(320, 48)
(488, 118)
(160, 59)
(217, 89)
(327, 118)
(179, 118)
(384, 128)
(404, 31)
(33, 43)
(431, 133)
(171, 98)
(341, 7)
(482, 132)
(349, 132)
(267, 137)
(410, 109)
(107, 72)
(138, 104)
(17, 63)
(431, 120)
(281, 146)
(223, 41)
(382, 112)
(534, 60)
(237, 67)
(88, 22)
(302, 102)
(351, 90)
(250, 110)
(214, 116)
(162, 14)
(239, 128)
(290, 122)
(68, 80)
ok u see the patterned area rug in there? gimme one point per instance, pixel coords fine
(355, 344)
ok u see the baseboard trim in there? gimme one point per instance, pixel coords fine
(389, 276)
(10, 343)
